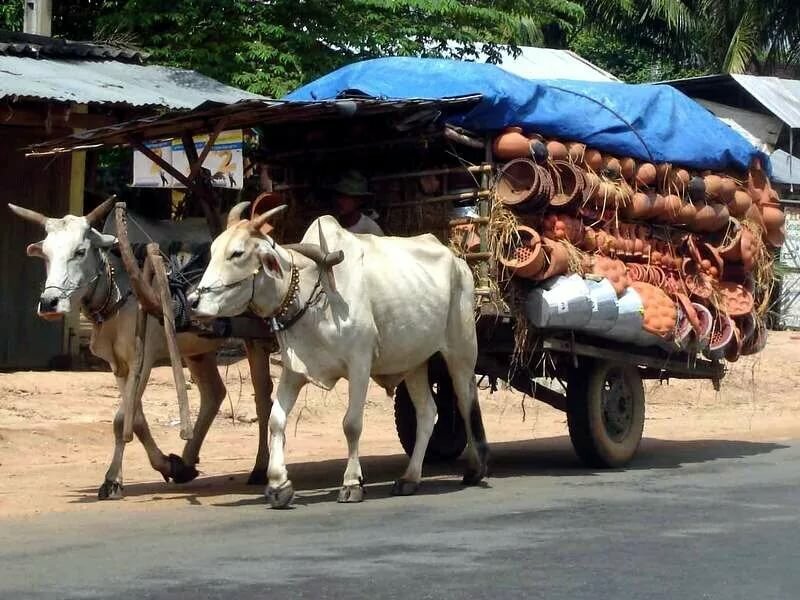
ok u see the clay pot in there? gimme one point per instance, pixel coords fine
(710, 217)
(741, 248)
(628, 169)
(774, 219)
(612, 167)
(659, 209)
(740, 204)
(466, 238)
(662, 174)
(672, 208)
(678, 182)
(734, 348)
(756, 342)
(511, 144)
(525, 258)
(660, 313)
(568, 183)
(519, 185)
(727, 190)
(613, 270)
(556, 150)
(556, 260)
(758, 185)
(563, 227)
(593, 159)
(589, 243)
(713, 188)
(689, 314)
(687, 214)
(639, 207)
(539, 153)
(738, 301)
(697, 189)
(721, 335)
(646, 175)
(753, 214)
(576, 151)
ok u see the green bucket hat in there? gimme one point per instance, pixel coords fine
(352, 183)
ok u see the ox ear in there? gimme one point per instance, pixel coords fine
(35, 250)
(270, 261)
(101, 240)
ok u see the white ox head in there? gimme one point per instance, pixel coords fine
(72, 265)
(243, 258)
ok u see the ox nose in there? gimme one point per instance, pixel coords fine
(48, 304)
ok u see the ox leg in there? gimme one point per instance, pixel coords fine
(258, 358)
(462, 374)
(425, 408)
(212, 392)
(279, 490)
(352, 424)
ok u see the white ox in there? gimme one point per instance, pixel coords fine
(82, 273)
(385, 310)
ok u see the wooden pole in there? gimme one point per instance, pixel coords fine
(201, 187)
(132, 391)
(140, 284)
(162, 285)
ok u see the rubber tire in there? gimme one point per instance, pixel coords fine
(449, 437)
(587, 431)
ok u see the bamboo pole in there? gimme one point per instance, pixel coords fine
(160, 276)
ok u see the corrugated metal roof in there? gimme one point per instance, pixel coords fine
(38, 46)
(785, 168)
(111, 82)
(780, 96)
(549, 63)
(246, 114)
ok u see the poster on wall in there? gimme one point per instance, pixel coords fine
(146, 173)
(225, 161)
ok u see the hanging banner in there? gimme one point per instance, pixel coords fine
(225, 161)
(146, 173)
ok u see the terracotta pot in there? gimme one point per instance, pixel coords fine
(721, 335)
(738, 301)
(556, 260)
(727, 190)
(593, 159)
(614, 270)
(511, 144)
(526, 257)
(689, 314)
(589, 239)
(538, 151)
(576, 152)
(741, 247)
(687, 214)
(672, 208)
(723, 216)
(659, 208)
(734, 348)
(646, 175)
(612, 167)
(678, 182)
(756, 342)
(754, 215)
(466, 238)
(772, 215)
(758, 185)
(706, 320)
(639, 207)
(628, 169)
(697, 189)
(707, 218)
(662, 174)
(520, 185)
(660, 313)
(740, 204)
(563, 227)
(568, 183)
(556, 150)
(713, 188)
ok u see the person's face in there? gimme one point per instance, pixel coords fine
(346, 204)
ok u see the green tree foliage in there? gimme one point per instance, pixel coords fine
(11, 14)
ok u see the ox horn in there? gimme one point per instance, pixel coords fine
(28, 214)
(317, 254)
(235, 214)
(258, 222)
(99, 213)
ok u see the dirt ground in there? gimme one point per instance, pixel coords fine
(56, 438)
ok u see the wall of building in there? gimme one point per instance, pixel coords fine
(27, 342)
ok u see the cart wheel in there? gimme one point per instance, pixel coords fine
(605, 412)
(449, 437)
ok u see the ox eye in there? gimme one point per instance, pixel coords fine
(237, 254)
(80, 253)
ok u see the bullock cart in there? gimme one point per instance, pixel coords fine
(426, 177)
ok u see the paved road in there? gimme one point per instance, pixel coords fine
(707, 519)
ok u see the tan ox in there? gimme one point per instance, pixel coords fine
(388, 307)
(82, 273)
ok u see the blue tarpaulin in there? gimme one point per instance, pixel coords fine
(648, 122)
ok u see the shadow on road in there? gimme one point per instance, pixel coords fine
(319, 481)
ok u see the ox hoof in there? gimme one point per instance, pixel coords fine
(351, 493)
(110, 490)
(403, 487)
(179, 471)
(257, 477)
(282, 496)
(474, 476)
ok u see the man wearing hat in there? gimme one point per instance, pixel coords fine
(349, 192)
